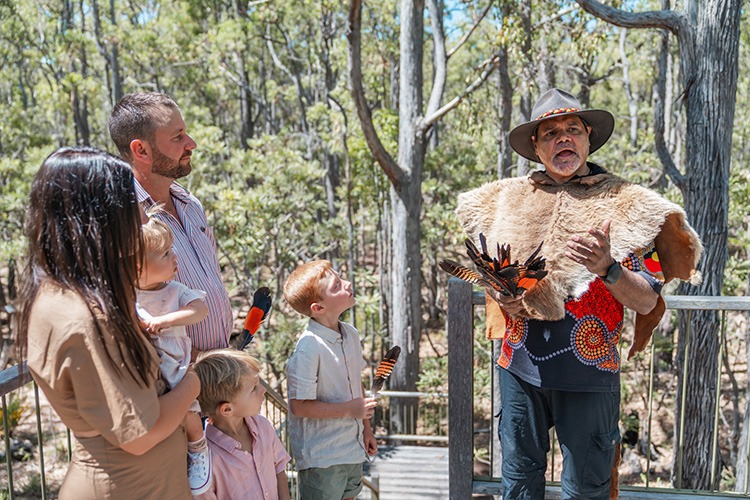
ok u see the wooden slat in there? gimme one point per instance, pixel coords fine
(554, 492)
(707, 303)
(684, 302)
(10, 379)
(460, 387)
(413, 472)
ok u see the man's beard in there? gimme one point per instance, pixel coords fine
(167, 167)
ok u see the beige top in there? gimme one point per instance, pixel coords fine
(103, 407)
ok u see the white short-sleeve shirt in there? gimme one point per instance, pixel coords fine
(326, 366)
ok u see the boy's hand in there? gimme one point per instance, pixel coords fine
(363, 408)
(371, 444)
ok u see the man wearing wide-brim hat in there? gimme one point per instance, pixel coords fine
(608, 244)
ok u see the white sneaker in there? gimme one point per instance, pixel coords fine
(199, 471)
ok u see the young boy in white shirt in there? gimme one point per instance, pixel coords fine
(329, 421)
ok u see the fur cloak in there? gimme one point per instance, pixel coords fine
(526, 211)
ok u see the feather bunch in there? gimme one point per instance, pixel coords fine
(256, 315)
(498, 273)
(385, 368)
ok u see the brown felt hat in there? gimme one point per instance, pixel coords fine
(553, 103)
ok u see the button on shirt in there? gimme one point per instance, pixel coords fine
(326, 366)
(197, 264)
(241, 475)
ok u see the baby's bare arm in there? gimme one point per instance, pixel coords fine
(191, 314)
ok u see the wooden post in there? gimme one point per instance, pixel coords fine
(460, 389)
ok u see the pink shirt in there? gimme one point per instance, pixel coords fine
(239, 474)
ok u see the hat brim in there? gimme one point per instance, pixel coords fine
(602, 124)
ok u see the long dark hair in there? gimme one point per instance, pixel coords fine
(83, 228)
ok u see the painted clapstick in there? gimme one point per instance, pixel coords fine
(256, 315)
(384, 369)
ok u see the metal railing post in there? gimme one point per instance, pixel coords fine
(650, 411)
(8, 458)
(683, 399)
(715, 440)
(460, 389)
(40, 441)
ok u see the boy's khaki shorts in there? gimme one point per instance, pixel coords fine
(330, 483)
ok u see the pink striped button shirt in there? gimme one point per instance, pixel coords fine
(197, 265)
(242, 475)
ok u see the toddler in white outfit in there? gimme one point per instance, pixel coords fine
(166, 306)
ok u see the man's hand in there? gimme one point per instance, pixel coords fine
(593, 254)
(511, 305)
(371, 444)
(363, 408)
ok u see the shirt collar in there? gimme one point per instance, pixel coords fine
(324, 332)
(596, 175)
(176, 190)
(228, 443)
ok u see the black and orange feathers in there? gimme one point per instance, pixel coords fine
(256, 315)
(500, 274)
(385, 368)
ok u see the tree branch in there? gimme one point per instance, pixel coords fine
(395, 173)
(679, 24)
(670, 169)
(471, 30)
(440, 59)
(489, 66)
(554, 17)
(664, 19)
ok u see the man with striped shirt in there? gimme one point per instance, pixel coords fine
(149, 132)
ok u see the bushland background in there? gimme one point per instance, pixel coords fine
(285, 167)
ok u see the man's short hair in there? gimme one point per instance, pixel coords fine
(304, 286)
(135, 117)
(222, 373)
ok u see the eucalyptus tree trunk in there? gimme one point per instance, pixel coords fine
(406, 205)
(111, 54)
(114, 59)
(709, 109)
(330, 159)
(79, 99)
(632, 98)
(527, 75)
(708, 38)
(405, 175)
(505, 110)
(741, 467)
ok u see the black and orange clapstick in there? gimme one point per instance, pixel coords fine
(384, 369)
(256, 315)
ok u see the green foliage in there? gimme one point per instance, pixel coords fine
(18, 409)
(267, 197)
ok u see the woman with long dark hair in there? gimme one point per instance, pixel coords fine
(79, 332)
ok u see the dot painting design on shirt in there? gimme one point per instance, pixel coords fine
(597, 331)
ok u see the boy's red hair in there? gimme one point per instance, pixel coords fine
(304, 287)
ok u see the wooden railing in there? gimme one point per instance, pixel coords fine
(461, 366)
(13, 380)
